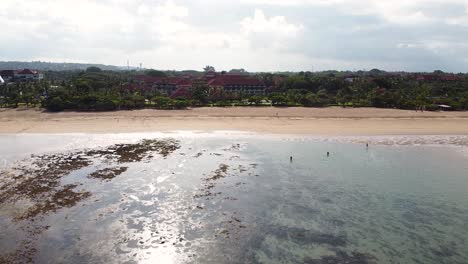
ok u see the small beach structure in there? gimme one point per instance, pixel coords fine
(443, 107)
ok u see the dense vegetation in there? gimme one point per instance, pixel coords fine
(98, 90)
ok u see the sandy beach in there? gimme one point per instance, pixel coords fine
(274, 120)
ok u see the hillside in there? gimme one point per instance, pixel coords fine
(54, 66)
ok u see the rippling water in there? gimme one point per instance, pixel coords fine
(237, 198)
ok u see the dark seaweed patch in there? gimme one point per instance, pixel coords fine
(219, 173)
(39, 181)
(108, 173)
(233, 147)
(66, 197)
(137, 152)
(24, 254)
(342, 257)
(445, 251)
(42, 178)
(304, 236)
(210, 182)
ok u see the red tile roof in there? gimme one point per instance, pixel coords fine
(228, 79)
(450, 78)
(27, 71)
(218, 80)
(181, 92)
(149, 79)
(431, 77)
(132, 87)
(13, 72)
(164, 80)
(185, 82)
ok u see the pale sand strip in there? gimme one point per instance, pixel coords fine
(313, 121)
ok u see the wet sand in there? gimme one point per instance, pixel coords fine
(274, 120)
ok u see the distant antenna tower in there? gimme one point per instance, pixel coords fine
(141, 66)
(128, 65)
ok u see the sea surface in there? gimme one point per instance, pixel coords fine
(230, 197)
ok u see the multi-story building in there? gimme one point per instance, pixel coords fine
(238, 84)
(28, 74)
(21, 75)
(164, 85)
(230, 84)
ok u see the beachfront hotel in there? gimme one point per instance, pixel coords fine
(229, 83)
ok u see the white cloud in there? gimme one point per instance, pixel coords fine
(394, 11)
(461, 20)
(274, 33)
(255, 34)
(293, 2)
(275, 25)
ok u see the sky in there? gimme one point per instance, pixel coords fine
(257, 35)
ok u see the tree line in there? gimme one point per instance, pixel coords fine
(98, 90)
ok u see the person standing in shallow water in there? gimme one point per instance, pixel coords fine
(290, 159)
(328, 154)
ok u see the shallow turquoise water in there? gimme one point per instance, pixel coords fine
(382, 204)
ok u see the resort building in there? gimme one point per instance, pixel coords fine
(229, 84)
(21, 75)
(438, 77)
(28, 74)
(237, 84)
(164, 85)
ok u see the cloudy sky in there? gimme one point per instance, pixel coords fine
(258, 35)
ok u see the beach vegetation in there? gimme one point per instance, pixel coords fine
(95, 89)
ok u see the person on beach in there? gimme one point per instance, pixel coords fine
(328, 154)
(290, 159)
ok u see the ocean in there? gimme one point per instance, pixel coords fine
(231, 197)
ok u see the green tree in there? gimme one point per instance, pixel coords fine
(278, 99)
(162, 102)
(155, 73)
(93, 69)
(209, 68)
(200, 93)
(181, 104)
(257, 100)
(55, 104)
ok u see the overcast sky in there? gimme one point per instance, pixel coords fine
(258, 35)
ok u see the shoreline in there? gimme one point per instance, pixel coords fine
(331, 121)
